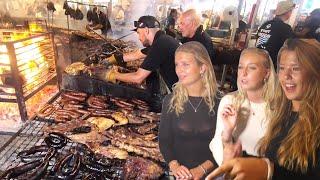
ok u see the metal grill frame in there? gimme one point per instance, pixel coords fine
(20, 95)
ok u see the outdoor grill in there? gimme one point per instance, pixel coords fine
(28, 64)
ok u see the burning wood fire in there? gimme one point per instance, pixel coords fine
(27, 64)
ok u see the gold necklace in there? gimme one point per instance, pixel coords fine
(195, 108)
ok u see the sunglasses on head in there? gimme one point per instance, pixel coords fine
(138, 24)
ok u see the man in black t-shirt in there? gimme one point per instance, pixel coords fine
(192, 30)
(160, 54)
(272, 34)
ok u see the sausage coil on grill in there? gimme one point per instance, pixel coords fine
(17, 171)
(56, 140)
(41, 169)
(62, 118)
(62, 112)
(97, 102)
(68, 167)
(47, 110)
(73, 97)
(29, 155)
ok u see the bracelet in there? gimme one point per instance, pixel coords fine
(203, 169)
(270, 171)
(173, 163)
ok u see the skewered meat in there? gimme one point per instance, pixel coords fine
(140, 169)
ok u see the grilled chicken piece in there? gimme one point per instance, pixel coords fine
(111, 152)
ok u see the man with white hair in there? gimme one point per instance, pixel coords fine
(272, 34)
(191, 29)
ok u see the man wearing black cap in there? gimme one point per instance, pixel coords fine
(160, 55)
(272, 34)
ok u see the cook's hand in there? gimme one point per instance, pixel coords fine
(197, 173)
(111, 75)
(114, 59)
(241, 169)
(229, 118)
(181, 172)
(231, 150)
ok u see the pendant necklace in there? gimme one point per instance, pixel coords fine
(195, 108)
(251, 109)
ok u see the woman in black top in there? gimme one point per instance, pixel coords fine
(171, 22)
(188, 117)
(291, 145)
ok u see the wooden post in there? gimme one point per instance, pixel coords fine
(17, 82)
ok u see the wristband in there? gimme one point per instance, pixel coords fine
(173, 163)
(203, 169)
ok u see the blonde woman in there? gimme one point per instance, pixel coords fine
(188, 118)
(291, 145)
(242, 115)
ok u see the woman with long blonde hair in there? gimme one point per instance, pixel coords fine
(291, 145)
(245, 112)
(188, 115)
